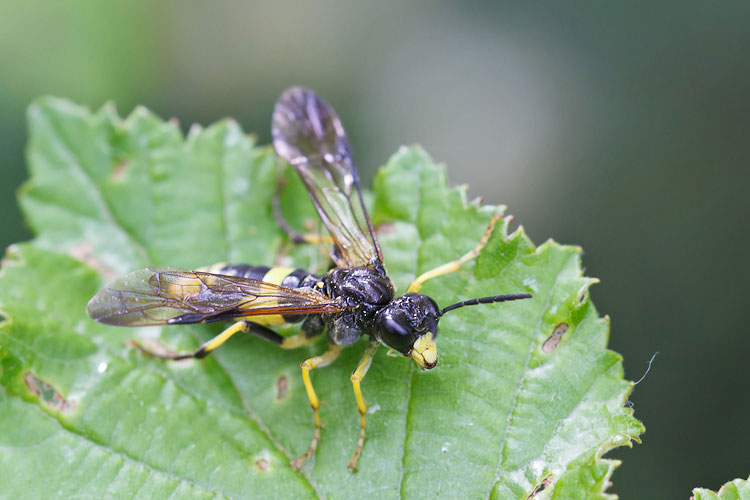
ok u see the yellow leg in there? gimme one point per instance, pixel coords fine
(307, 366)
(295, 341)
(205, 349)
(356, 378)
(452, 267)
(294, 236)
(322, 242)
(316, 239)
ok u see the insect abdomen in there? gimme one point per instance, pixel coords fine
(288, 277)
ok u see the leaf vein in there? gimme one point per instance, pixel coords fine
(521, 381)
(594, 378)
(263, 427)
(255, 416)
(121, 454)
(410, 387)
(100, 199)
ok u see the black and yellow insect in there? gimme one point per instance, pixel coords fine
(353, 299)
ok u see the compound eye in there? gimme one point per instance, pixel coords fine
(394, 327)
(395, 332)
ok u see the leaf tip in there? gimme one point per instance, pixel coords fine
(415, 154)
(52, 105)
(194, 130)
(737, 489)
(141, 110)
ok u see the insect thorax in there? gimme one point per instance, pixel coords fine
(365, 290)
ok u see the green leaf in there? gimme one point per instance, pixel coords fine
(526, 398)
(739, 489)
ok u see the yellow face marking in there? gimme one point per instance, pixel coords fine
(424, 351)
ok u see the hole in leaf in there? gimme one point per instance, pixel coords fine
(540, 487)
(553, 340)
(282, 385)
(47, 393)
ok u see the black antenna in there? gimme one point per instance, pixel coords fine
(485, 300)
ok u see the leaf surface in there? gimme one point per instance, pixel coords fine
(525, 401)
(739, 489)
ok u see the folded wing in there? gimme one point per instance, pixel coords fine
(167, 295)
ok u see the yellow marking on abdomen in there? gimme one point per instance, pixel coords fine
(275, 275)
(267, 320)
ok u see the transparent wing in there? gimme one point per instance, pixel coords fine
(308, 134)
(167, 295)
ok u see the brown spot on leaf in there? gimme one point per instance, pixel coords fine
(540, 487)
(553, 340)
(84, 252)
(47, 393)
(281, 259)
(385, 228)
(282, 385)
(262, 464)
(119, 171)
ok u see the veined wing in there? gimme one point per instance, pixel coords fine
(308, 134)
(167, 295)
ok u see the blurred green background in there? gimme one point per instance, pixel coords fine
(619, 127)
